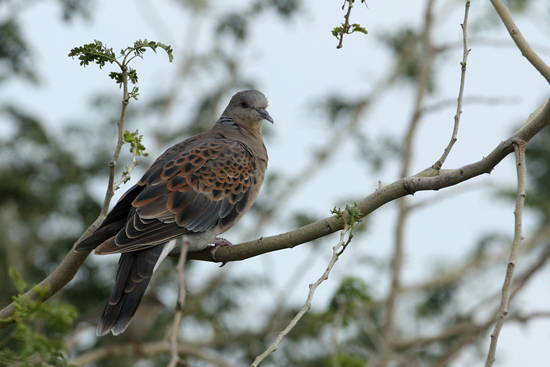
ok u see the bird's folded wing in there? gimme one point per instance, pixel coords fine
(192, 191)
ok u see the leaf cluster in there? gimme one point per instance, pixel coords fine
(337, 31)
(351, 215)
(36, 335)
(135, 141)
(100, 54)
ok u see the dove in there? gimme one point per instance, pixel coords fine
(196, 190)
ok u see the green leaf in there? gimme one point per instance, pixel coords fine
(139, 48)
(358, 28)
(93, 52)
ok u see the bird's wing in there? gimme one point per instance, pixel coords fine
(194, 191)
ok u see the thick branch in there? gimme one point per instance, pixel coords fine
(405, 186)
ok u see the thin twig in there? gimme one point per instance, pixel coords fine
(126, 175)
(465, 54)
(293, 282)
(522, 44)
(120, 141)
(346, 24)
(173, 337)
(519, 149)
(336, 252)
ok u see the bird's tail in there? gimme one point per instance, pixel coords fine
(134, 273)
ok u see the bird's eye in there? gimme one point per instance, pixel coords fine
(244, 104)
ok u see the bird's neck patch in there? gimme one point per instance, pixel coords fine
(226, 120)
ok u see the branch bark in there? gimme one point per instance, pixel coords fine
(465, 54)
(522, 44)
(518, 236)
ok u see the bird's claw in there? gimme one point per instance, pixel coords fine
(218, 242)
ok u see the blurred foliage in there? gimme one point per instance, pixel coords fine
(72, 8)
(538, 170)
(15, 56)
(36, 336)
(406, 45)
(437, 299)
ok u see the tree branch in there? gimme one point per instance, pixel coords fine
(74, 260)
(120, 124)
(346, 24)
(519, 149)
(465, 53)
(426, 180)
(522, 44)
(173, 337)
(385, 348)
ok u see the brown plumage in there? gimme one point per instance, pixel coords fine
(200, 188)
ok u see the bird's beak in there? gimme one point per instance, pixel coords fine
(265, 115)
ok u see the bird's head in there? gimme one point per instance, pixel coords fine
(248, 109)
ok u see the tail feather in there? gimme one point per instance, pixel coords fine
(133, 276)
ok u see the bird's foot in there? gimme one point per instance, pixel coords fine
(218, 242)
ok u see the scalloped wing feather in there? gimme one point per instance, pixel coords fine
(194, 190)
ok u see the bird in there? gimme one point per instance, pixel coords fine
(197, 189)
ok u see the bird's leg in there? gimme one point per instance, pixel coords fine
(218, 242)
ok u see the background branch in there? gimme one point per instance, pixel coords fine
(407, 155)
(148, 349)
